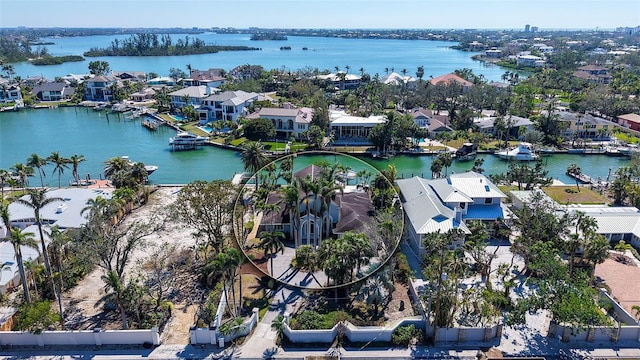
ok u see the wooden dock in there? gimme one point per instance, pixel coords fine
(586, 179)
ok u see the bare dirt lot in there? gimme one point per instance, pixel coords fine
(82, 304)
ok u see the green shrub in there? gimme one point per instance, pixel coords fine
(406, 335)
(36, 317)
(402, 271)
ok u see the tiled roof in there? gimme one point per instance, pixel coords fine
(450, 78)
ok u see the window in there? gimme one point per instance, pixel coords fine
(488, 201)
(463, 205)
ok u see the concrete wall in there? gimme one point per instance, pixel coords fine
(384, 333)
(212, 335)
(621, 314)
(83, 337)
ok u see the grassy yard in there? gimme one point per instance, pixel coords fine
(192, 128)
(570, 195)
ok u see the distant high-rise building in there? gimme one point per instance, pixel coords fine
(527, 28)
(534, 29)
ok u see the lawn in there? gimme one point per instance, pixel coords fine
(570, 195)
(192, 128)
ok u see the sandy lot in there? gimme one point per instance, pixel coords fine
(81, 303)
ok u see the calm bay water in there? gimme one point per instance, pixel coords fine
(373, 55)
(89, 133)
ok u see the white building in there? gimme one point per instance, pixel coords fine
(228, 105)
(65, 214)
(348, 128)
(441, 205)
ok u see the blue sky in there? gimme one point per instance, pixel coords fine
(432, 14)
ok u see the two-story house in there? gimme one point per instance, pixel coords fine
(191, 95)
(441, 205)
(593, 73)
(287, 121)
(452, 78)
(53, 91)
(342, 80)
(426, 119)
(10, 93)
(98, 88)
(584, 126)
(213, 78)
(352, 129)
(228, 105)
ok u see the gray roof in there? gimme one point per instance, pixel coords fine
(49, 86)
(612, 219)
(74, 199)
(475, 185)
(192, 92)
(517, 121)
(233, 97)
(447, 193)
(424, 210)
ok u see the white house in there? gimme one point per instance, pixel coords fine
(53, 91)
(287, 121)
(342, 80)
(65, 214)
(444, 204)
(348, 128)
(228, 105)
(10, 93)
(191, 95)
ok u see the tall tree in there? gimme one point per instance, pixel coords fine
(23, 172)
(271, 243)
(36, 200)
(60, 163)
(19, 239)
(254, 158)
(37, 162)
(75, 161)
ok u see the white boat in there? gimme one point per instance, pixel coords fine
(187, 139)
(467, 152)
(523, 152)
(150, 168)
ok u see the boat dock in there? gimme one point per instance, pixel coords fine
(149, 123)
(586, 179)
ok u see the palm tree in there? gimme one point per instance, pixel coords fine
(4, 176)
(60, 163)
(35, 161)
(23, 172)
(225, 264)
(271, 243)
(115, 165)
(37, 200)
(19, 239)
(114, 287)
(574, 170)
(253, 158)
(75, 160)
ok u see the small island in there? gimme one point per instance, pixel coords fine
(268, 36)
(56, 60)
(154, 45)
(285, 47)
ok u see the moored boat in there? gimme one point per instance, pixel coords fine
(186, 140)
(467, 152)
(523, 152)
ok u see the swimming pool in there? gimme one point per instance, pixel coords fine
(177, 117)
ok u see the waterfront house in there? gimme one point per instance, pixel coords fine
(396, 79)
(135, 76)
(452, 78)
(228, 105)
(441, 205)
(528, 60)
(10, 93)
(213, 78)
(486, 125)
(584, 126)
(65, 214)
(191, 95)
(352, 129)
(426, 119)
(143, 95)
(161, 81)
(53, 91)
(287, 121)
(593, 73)
(493, 53)
(98, 88)
(342, 80)
(77, 78)
(350, 209)
(631, 121)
